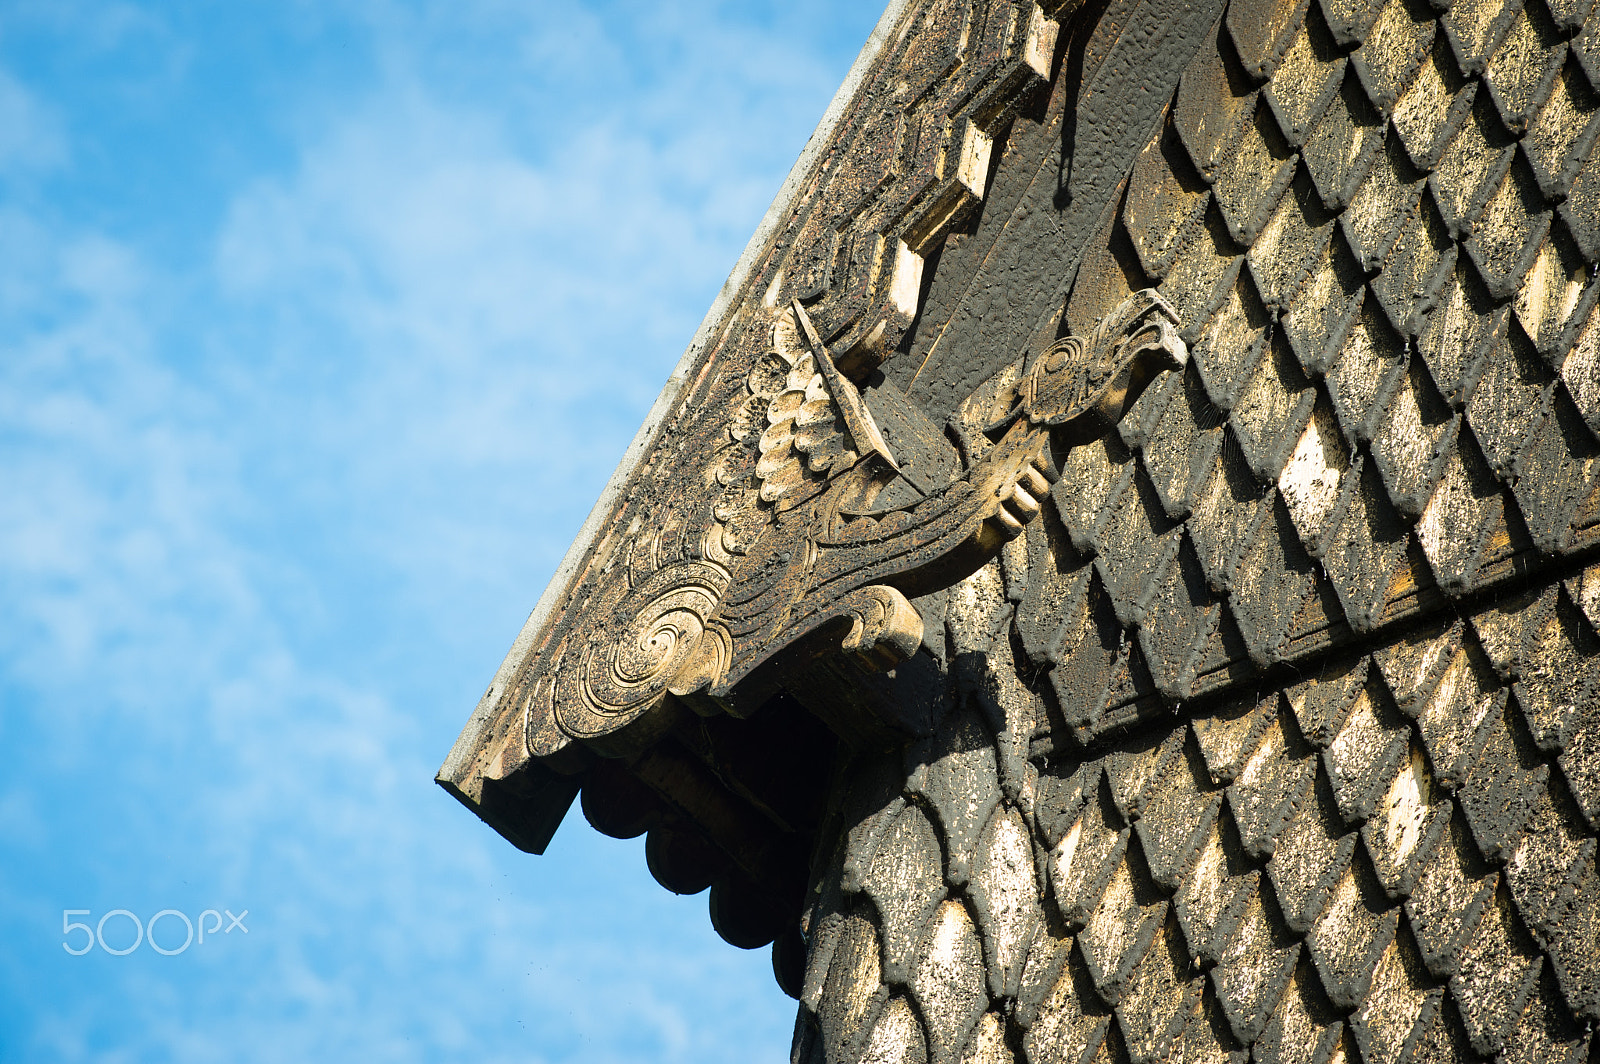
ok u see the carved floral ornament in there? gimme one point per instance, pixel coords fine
(813, 536)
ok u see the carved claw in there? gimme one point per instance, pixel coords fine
(1030, 490)
(1020, 504)
(885, 629)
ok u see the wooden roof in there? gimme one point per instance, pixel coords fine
(1276, 731)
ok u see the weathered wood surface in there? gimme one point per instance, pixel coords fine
(1393, 860)
(1282, 742)
(1274, 736)
(908, 160)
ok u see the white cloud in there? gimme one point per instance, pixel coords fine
(31, 136)
(274, 508)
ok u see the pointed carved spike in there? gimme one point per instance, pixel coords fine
(856, 416)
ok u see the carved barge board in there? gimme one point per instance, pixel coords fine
(903, 155)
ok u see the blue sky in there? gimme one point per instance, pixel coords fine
(321, 326)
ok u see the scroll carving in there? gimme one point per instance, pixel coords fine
(737, 529)
(816, 533)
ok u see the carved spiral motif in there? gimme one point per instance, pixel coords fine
(1082, 371)
(657, 641)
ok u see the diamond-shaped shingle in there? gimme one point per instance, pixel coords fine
(1584, 590)
(1399, 1005)
(1368, 368)
(1161, 992)
(1311, 482)
(1412, 665)
(1204, 267)
(1450, 718)
(1382, 204)
(1179, 614)
(1215, 99)
(1421, 262)
(1304, 1026)
(1320, 315)
(1563, 135)
(1499, 791)
(1320, 703)
(1272, 780)
(1471, 165)
(1344, 144)
(1433, 106)
(1586, 45)
(1071, 1019)
(1475, 29)
(1214, 893)
(905, 882)
(1165, 202)
(1274, 579)
(1546, 1032)
(1509, 401)
(1575, 962)
(1054, 606)
(1306, 79)
(1362, 757)
(1232, 344)
(1363, 555)
(1462, 330)
(1581, 210)
(1445, 905)
(1557, 672)
(854, 981)
(1467, 508)
(1569, 15)
(1520, 72)
(947, 982)
(1252, 970)
(1312, 852)
(1133, 766)
(1393, 50)
(1226, 509)
(1290, 242)
(1507, 235)
(1179, 452)
(1498, 970)
(1262, 31)
(1547, 861)
(1006, 895)
(1084, 859)
(1140, 419)
(1253, 177)
(1135, 542)
(1350, 936)
(1092, 477)
(1181, 810)
(1351, 20)
(1413, 440)
(1225, 738)
(1086, 666)
(1120, 929)
(1557, 475)
(955, 774)
(1410, 813)
(1556, 295)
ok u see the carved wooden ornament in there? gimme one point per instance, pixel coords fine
(785, 501)
(796, 548)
